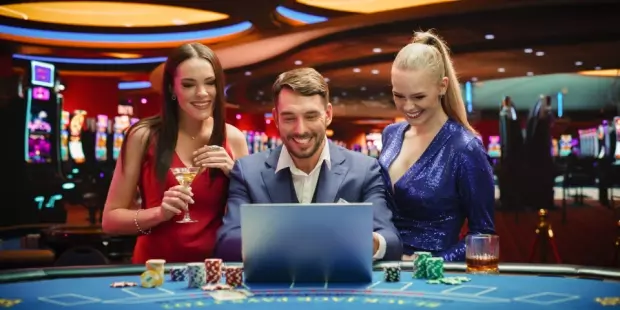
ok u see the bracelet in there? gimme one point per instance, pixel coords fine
(135, 220)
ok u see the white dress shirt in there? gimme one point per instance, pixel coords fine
(305, 183)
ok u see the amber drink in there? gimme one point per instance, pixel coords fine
(482, 254)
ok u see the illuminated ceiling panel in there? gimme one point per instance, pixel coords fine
(368, 6)
(108, 14)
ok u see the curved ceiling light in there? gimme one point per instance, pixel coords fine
(298, 18)
(368, 6)
(92, 61)
(109, 14)
(606, 73)
(119, 40)
(134, 85)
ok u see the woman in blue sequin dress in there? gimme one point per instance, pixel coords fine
(438, 173)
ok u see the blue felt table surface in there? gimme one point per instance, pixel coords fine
(482, 292)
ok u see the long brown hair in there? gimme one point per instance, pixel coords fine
(428, 51)
(164, 127)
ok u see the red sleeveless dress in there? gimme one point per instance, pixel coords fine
(172, 241)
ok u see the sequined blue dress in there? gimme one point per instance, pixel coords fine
(452, 181)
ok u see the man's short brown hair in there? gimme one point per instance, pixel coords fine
(304, 81)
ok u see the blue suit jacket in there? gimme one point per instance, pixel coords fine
(353, 177)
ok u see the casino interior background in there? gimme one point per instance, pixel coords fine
(98, 67)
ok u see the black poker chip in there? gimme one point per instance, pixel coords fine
(392, 274)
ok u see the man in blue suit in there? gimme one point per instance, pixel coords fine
(307, 168)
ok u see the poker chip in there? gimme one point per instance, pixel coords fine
(419, 264)
(449, 280)
(196, 275)
(392, 273)
(234, 275)
(123, 284)
(150, 279)
(434, 268)
(213, 268)
(216, 287)
(178, 273)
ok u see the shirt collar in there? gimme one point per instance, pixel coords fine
(285, 160)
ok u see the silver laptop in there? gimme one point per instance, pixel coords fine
(307, 243)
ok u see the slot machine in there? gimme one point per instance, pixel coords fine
(555, 148)
(64, 136)
(566, 145)
(584, 145)
(101, 138)
(42, 110)
(76, 126)
(258, 142)
(605, 133)
(494, 147)
(249, 137)
(591, 142)
(120, 124)
(39, 93)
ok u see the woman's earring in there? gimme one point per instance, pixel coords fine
(174, 97)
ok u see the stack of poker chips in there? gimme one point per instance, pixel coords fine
(434, 268)
(178, 273)
(150, 279)
(419, 264)
(234, 275)
(196, 275)
(154, 274)
(213, 267)
(157, 265)
(392, 273)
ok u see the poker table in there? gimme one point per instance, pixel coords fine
(519, 286)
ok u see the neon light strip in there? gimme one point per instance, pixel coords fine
(560, 104)
(468, 97)
(28, 116)
(93, 61)
(300, 16)
(124, 37)
(134, 85)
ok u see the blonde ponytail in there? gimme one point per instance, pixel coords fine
(427, 50)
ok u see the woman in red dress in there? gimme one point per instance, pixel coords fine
(190, 131)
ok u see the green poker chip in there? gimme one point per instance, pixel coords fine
(420, 259)
(434, 268)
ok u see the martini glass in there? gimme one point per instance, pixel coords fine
(185, 177)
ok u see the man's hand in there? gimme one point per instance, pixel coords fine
(375, 244)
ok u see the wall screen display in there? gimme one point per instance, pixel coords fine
(42, 74)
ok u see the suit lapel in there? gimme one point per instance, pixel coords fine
(278, 185)
(331, 179)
